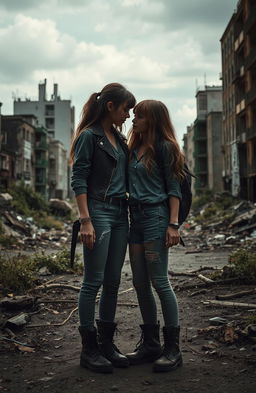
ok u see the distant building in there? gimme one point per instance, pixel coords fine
(17, 151)
(41, 161)
(58, 174)
(188, 148)
(55, 114)
(238, 45)
(207, 128)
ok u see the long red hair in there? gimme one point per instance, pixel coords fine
(160, 128)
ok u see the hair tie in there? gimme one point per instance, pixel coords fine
(98, 95)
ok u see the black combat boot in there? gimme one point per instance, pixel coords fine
(148, 348)
(108, 349)
(171, 357)
(91, 356)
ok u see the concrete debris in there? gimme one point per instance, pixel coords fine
(60, 207)
(18, 320)
(5, 199)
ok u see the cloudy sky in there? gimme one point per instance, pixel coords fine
(159, 49)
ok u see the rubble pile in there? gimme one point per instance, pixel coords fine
(219, 226)
(21, 232)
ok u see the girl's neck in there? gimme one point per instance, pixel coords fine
(107, 125)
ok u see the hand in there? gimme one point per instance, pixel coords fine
(172, 237)
(87, 235)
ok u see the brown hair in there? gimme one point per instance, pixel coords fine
(95, 109)
(159, 128)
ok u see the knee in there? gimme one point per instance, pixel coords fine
(110, 288)
(141, 286)
(92, 285)
(161, 284)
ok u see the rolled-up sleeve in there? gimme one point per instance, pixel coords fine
(81, 169)
(172, 184)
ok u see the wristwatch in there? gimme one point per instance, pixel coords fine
(84, 220)
(174, 225)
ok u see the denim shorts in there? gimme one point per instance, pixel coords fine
(148, 222)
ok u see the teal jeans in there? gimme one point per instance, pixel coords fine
(149, 262)
(103, 264)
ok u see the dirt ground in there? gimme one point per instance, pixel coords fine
(209, 364)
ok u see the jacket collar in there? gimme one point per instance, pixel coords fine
(97, 129)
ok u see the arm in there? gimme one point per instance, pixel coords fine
(174, 194)
(87, 231)
(80, 171)
(172, 235)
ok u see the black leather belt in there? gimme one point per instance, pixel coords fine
(112, 200)
(141, 205)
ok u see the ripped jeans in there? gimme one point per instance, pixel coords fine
(149, 263)
(103, 264)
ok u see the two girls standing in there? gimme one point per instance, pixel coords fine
(101, 164)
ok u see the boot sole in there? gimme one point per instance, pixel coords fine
(120, 365)
(100, 369)
(162, 369)
(134, 362)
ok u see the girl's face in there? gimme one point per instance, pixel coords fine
(119, 114)
(140, 123)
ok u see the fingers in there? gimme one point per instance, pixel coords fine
(88, 239)
(172, 238)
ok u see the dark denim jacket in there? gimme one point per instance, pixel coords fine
(94, 163)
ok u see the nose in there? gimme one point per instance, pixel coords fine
(128, 115)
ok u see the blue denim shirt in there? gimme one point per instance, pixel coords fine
(154, 186)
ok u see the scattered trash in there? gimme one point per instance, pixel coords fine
(216, 321)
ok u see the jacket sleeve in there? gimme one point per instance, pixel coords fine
(171, 183)
(84, 149)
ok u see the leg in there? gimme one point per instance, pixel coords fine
(156, 255)
(149, 348)
(112, 274)
(115, 259)
(95, 261)
(142, 284)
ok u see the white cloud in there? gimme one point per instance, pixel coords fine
(156, 48)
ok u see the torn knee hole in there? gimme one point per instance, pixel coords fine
(152, 256)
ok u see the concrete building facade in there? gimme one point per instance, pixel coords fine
(207, 126)
(17, 151)
(58, 174)
(238, 45)
(55, 114)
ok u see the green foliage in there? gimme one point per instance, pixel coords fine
(243, 264)
(47, 222)
(20, 273)
(55, 263)
(7, 241)
(25, 200)
(200, 201)
(17, 273)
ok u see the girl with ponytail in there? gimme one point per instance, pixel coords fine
(99, 157)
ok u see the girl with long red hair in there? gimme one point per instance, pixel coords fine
(155, 173)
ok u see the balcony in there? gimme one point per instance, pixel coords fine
(240, 107)
(41, 181)
(252, 170)
(250, 96)
(239, 40)
(41, 145)
(250, 21)
(41, 163)
(250, 60)
(251, 132)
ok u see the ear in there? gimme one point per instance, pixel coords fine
(110, 106)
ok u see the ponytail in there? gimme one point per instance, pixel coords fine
(95, 109)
